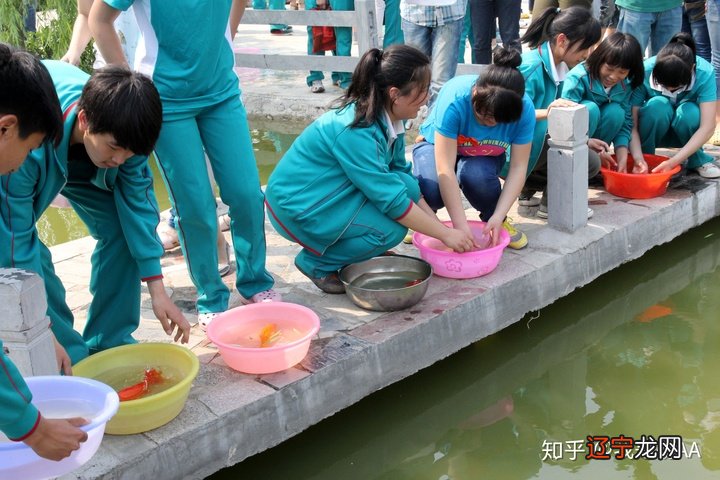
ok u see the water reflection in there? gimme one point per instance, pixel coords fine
(603, 361)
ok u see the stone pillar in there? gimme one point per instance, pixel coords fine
(366, 29)
(24, 326)
(567, 168)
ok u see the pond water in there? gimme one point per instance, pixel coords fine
(59, 225)
(635, 353)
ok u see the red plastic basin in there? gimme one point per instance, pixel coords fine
(634, 185)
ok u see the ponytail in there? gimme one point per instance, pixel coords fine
(400, 66)
(577, 23)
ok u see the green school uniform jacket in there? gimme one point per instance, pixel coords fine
(18, 417)
(579, 87)
(330, 172)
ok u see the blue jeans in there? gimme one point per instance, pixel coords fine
(441, 45)
(478, 178)
(483, 14)
(693, 22)
(653, 29)
(712, 17)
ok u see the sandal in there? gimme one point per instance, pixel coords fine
(204, 319)
(168, 236)
(224, 222)
(265, 296)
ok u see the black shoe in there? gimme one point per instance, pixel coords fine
(328, 284)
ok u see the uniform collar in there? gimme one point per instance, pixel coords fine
(558, 73)
(394, 129)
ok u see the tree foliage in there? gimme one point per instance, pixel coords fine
(55, 19)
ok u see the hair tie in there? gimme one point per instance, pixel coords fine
(557, 10)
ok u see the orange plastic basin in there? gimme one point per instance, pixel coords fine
(633, 185)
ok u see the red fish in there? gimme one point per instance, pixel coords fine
(269, 335)
(413, 282)
(152, 376)
(653, 312)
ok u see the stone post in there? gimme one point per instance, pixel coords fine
(366, 30)
(567, 168)
(24, 326)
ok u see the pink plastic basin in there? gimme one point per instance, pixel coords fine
(235, 326)
(447, 263)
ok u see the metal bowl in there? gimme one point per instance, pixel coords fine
(387, 283)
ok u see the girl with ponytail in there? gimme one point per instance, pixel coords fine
(476, 124)
(560, 40)
(344, 190)
(675, 106)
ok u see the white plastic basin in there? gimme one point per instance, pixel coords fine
(61, 397)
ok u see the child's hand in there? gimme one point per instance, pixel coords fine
(459, 240)
(168, 313)
(63, 359)
(561, 102)
(640, 166)
(621, 165)
(663, 167)
(493, 228)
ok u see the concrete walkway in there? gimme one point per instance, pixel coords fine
(230, 416)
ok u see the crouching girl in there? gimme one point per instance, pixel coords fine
(344, 190)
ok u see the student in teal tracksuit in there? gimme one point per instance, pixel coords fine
(675, 106)
(604, 84)
(559, 40)
(188, 52)
(343, 43)
(29, 114)
(106, 118)
(344, 190)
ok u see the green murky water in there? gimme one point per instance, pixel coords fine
(636, 352)
(59, 225)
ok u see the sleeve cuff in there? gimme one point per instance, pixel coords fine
(149, 269)
(407, 210)
(25, 425)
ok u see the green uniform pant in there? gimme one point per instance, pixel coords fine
(605, 120)
(371, 233)
(393, 26)
(343, 43)
(221, 131)
(114, 312)
(662, 124)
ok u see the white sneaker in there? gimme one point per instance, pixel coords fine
(708, 170)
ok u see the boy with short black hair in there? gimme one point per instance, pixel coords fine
(29, 114)
(111, 121)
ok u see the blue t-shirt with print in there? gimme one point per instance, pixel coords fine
(453, 117)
